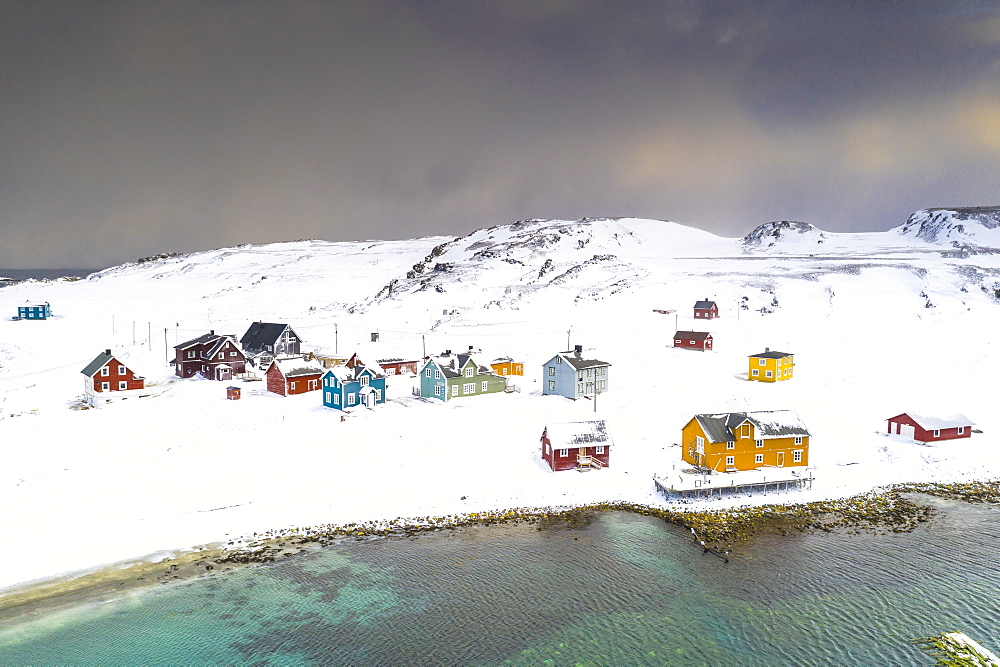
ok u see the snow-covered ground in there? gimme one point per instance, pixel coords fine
(879, 323)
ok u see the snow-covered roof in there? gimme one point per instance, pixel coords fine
(578, 434)
(931, 423)
(576, 360)
(352, 373)
(297, 367)
(768, 424)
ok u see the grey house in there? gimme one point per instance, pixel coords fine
(266, 340)
(569, 374)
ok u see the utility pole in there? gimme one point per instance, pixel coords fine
(336, 340)
(149, 335)
(567, 338)
(166, 355)
(133, 333)
(423, 341)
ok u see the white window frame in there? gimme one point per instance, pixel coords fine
(563, 452)
(329, 397)
(291, 386)
(731, 445)
(768, 373)
(798, 440)
(762, 362)
(730, 461)
(759, 443)
(552, 371)
(192, 354)
(758, 458)
(755, 373)
(105, 386)
(600, 449)
(558, 360)
(937, 433)
(336, 399)
(437, 374)
(122, 385)
(579, 387)
(121, 369)
(378, 395)
(486, 386)
(468, 388)
(454, 390)
(364, 380)
(352, 399)
(797, 456)
(469, 372)
(552, 385)
(427, 373)
(106, 371)
(961, 430)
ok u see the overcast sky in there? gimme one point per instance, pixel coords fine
(133, 128)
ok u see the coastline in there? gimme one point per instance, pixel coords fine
(888, 509)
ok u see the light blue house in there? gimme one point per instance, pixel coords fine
(345, 388)
(40, 311)
(450, 376)
(569, 374)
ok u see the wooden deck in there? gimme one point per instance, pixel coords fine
(692, 483)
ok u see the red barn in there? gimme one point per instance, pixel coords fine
(106, 373)
(289, 376)
(706, 310)
(576, 445)
(930, 429)
(693, 340)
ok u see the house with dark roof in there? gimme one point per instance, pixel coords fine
(930, 428)
(34, 311)
(107, 373)
(214, 356)
(734, 441)
(266, 340)
(573, 375)
(580, 446)
(706, 309)
(346, 387)
(771, 366)
(288, 376)
(449, 376)
(693, 340)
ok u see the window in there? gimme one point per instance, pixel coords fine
(937, 433)
(105, 386)
(548, 449)
(552, 371)
(759, 443)
(552, 385)
(454, 390)
(378, 395)
(329, 397)
(600, 449)
(469, 388)
(798, 440)
(961, 430)
(352, 399)
(579, 388)
(390, 371)
(601, 384)
(759, 458)
(590, 372)
(730, 445)
(677, 341)
(755, 372)
(437, 375)
(121, 370)
(486, 385)
(222, 355)
(558, 360)
(122, 386)
(364, 380)
(336, 399)
(745, 431)
(438, 390)
(106, 371)
(427, 373)
(730, 460)
(313, 385)
(762, 362)
(232, 353)
(563, 452)
(468, 372)
(797, 456)
(768, 374)
(503, 371)
(292, 386)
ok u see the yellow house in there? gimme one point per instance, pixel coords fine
(507, 366)
(735, 441)
(771, 366)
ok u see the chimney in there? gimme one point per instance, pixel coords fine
(107, 352)
(374, 336)
(766, 350)
(471, 348)
(578, 349)
(211, 332)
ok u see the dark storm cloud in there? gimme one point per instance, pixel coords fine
(137, 127)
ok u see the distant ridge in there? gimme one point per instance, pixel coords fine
(780, 231)
(973, 225)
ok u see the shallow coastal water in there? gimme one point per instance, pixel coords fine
(620, 589)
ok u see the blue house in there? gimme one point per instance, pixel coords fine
(40, 311)
(569, 374)
(345, 387)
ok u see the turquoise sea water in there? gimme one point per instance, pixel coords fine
(621, 590)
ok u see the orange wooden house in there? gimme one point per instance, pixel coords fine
(507, 366)
(734, 441)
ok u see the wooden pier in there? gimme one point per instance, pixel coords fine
(694, 484)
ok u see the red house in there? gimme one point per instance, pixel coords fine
(930, 429)
(107, 373)
(295, 375)
(706, 310)
(215, 356)
(693, 340)
(576, 445)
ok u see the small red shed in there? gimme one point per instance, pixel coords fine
(706, 309)
(693, 340)
(290, 376)
(576, 445)
(930, 429)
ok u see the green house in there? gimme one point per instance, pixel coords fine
(450, 376)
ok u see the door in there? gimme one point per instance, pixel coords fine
(908, 431)
(781, 459)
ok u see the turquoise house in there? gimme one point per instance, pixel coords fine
(572, 375)
(41, 311)
(345, 388)
(450, 376)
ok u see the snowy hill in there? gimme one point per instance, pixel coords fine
(974, 226)
(873, 320)
(785, 233)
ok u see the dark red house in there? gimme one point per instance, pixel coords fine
(290, 376)
(693, 340)
(576, 445)
(706, 310)
(107, 373)
(930, 429)
(215, 356)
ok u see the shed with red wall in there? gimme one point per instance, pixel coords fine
(923, 428)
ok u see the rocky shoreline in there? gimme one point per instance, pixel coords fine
(887, 509)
